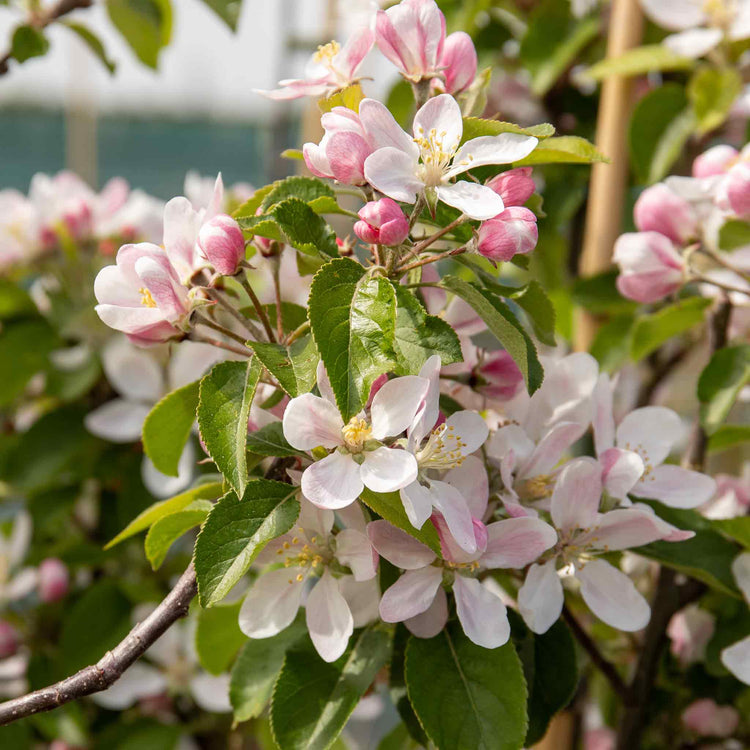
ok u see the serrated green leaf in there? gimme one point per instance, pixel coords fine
(712, 92)
(728, 436)
(304, 229)
(563, 149)
(218, 637)
(293, 366)
(270, 441)
(651, 331)
(237, 530)
(226, 394)
(167, 428)
(533, 300)
(306, 189)
(167, 530)
(503, 325)
(28, 42)
(419, 336)
(93, 42)
(227, 10)
(639, 61)
(164, 508)
(353, 320)
(331, 691)
(467, 696)
(249, 208)
(720, 383)
(475, 127)
(146, 26)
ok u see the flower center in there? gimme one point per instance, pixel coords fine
(303, 551)
(147, 299)
(443, 449)
(536, 488)
(436, 155)
(326, 53)
(356, 433)
(721, 13)
(648, 469)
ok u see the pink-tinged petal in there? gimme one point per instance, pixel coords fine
(353, 517)
(551, 449)
(332, 483)
(675, 14)
(676, 487)
(440, 115)
(652, 431)
(736, 659)
(132, 320)
(396, 404)
(540, 599)
(222, 243)
(612, 596)
(650, 266)
(112, 288)
(316, 160)
(470, 479)
(398, 547)
(510, 438)
(383, 130)
(517, 542)
(216, 203)
(459, 62)
(575, 499)
(329, 619)
(741, 573)
(271, 603)
(388, 469)
(474, 200)
(603, 420)
(625, 528)
(510, 233)
(118, 421)
(492, 149)
(363, 598)
(296, 89)
(693, 43)
(448, 545)
(707, 718)
(310, 421)
(353, 549)
(346, 153)
(394, 173)
(430, 622)
(620, 471)
(715, 161)
(411, 595)
(354, 52)
(417, 503)
(515, 186)
(170, 299)
(660, 209)
(449, 501)
(314, 520)
(482, 614)
(324, 384)
(181, 225)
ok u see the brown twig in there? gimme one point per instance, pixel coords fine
(262, 315)
(103, 674)
(424, 244)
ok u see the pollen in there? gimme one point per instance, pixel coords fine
(147, 299)
(326, 53)
(356, 433)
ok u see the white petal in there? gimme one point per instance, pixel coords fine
(118, 421)
(652, 431)
(620, 471)
(190, 361)
(736, 659)
(429, 411)
(161, 485)
(516, 542)
(441, 115)
(353, 549)
(627, 527)
(540, 599)
(271, 604)
(324, 384)
(132, 372)
(465, 432)
(20, 538)
(398, 547)
(329, 619)
(510, 438)
(417, 503)
(430, 622)
(576, 496)
(474, 200)
(388, 469)
(741, 573)
(211, 692)
(333, 482)
(393, 173)
(310, 421)
(396, 404)
(363, 598)
(449, 501)
(21, 585)
(483, 616)
(612, 596)
(603, 417)
(693, 43)
(551, 449)
(411, 595)
(383, 130)
(470, 479)
(140, 681)
(676, 487)
(675, 14)
(492, 149)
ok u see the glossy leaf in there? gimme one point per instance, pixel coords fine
(293, 366)
(475, 127)
(146, 26)
(729, 436)
(270, 441)
(563, 149)
(166, 531)
(218, 637)
(28, 42)
(720, 383)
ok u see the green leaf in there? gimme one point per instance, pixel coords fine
(331, 691)
(475, 127)
(293, 366)
(397, 677)
(166, 531)
(167, 507)
(563, 149)
(503, 325)
(533, 300)
(728, 436)
(227, 10)
(419, 336)
(146, 26)
(467, 696)
(651, 331)
(611, 345)
(639, 61)
(28, 42)
(93, 42)
(722, 379)
(237, 530)
(712, 92)
(599, 295)
(257, 668)
(660, 125)
(218, 637)
(353, 320)
(388, 505)
(270, 441)
(15, 302)
(226, 394)
(306, 189)
(248, 209)
(737, 529)
(167, 428)
(734, 234)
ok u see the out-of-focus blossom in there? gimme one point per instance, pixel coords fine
(9, 640)
(736, 658)
(706, 718)
(715, 161)
(510, 233)
(53, 580)
(16, 581)
(733, 194)
(659, 209)
(382, 222)
(732, 497)
(601, 738)
(690, 630)
(515, 186)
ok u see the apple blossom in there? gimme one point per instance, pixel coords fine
(690, 631)
(434, 158)
(498, 376)
(221, 242)
(512, 232)
(9, 640)
(53, 579)
(458, 62)
(733, 194)
(16, 580)
(514, 186)
(715, 161)
(382, 222)
(706, 718)
(659, 209)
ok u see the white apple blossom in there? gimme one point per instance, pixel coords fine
(16, 580)
(736, 658)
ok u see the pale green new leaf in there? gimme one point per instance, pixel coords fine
(639, 61)
(563, 149)
(712, 92)
(146, 26)
(722, 379)
(218, 637)
(166, 531)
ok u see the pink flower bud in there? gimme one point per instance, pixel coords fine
(734, 192)
(382, 222)
(54, 580)
(658, 209)
(716, 160)
(514, 186)
(78, 218)
(510, 233)
(650, 267)
(8, 639)
(500, 377)
(459, 62)
(222, 244)
(690, 630)
(706, 718)
(601, 738)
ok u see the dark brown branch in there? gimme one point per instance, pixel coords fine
(604, 666)
(110, 667)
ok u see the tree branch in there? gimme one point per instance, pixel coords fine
(103, 674)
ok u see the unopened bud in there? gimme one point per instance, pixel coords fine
(54, 580)
(382, 223)
(222, 244)
(514, 186)
(510, 233)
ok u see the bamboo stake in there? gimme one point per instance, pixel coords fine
(608, 181)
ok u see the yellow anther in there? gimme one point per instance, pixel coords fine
(300, 577)
(356, 433)
(326, 53)
(147, 299)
